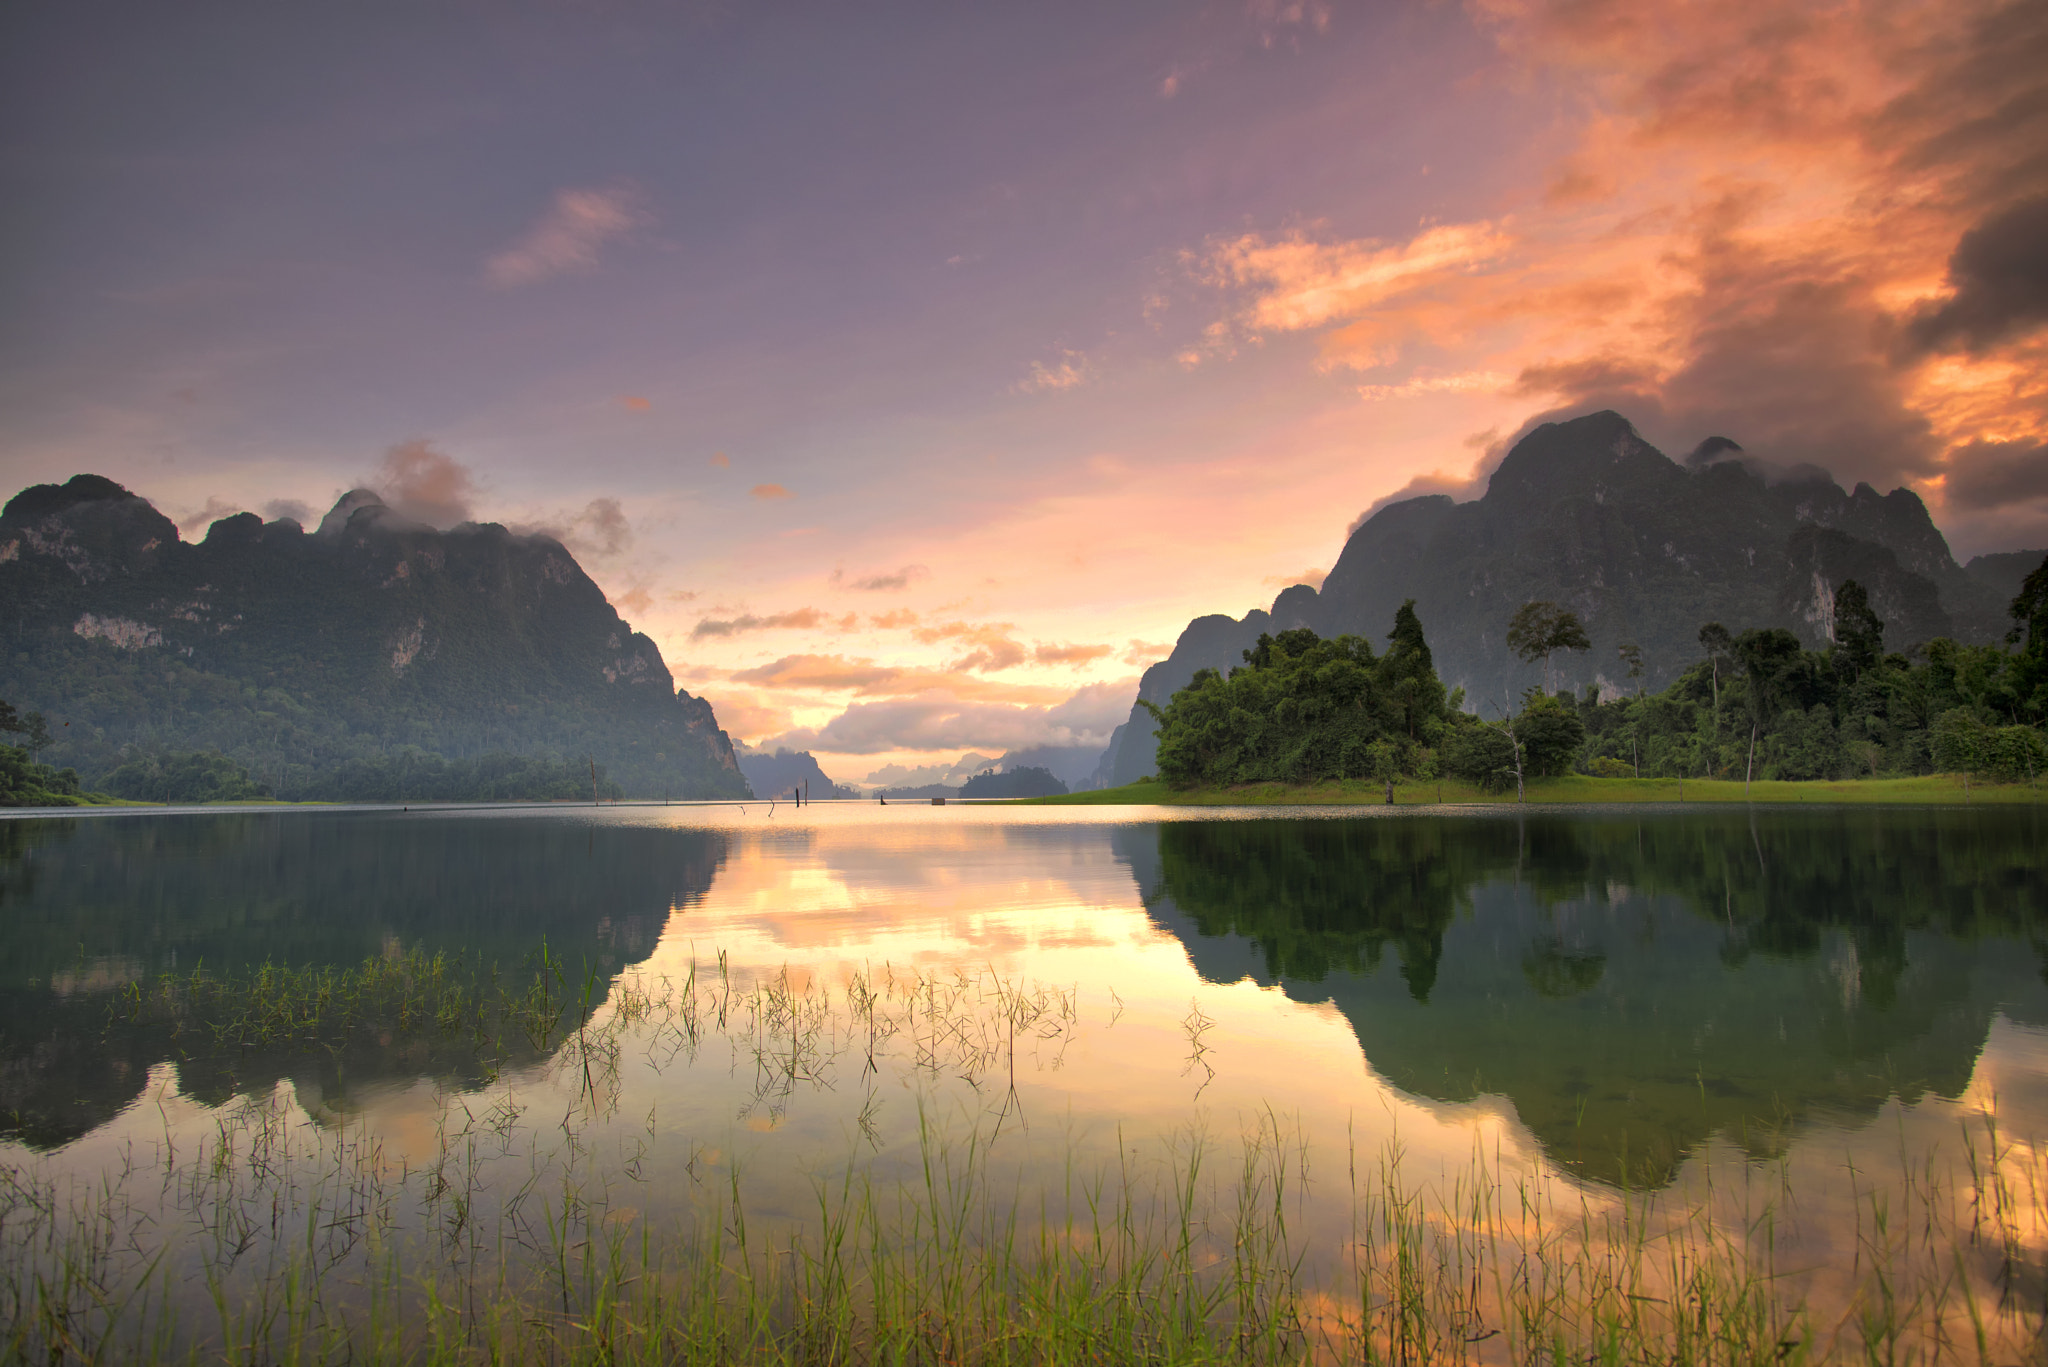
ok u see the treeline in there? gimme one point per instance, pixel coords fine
(24, 782)
(203, 776)
(406, 776)
(1755, 705)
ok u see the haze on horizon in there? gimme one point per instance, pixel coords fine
(912, 375)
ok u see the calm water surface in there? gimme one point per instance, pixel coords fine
(1816, 1000)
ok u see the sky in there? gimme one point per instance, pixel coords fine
(912, 374)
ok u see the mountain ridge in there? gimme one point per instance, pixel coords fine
(294, 652)
(1644, 548)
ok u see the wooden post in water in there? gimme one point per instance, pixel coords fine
(593, 782)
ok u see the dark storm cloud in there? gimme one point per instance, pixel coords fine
(1998, 279)
(1991, 474)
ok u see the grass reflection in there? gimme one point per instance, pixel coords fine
(535, 1233)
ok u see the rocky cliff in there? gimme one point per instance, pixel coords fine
(295, 652)
(1644, 548)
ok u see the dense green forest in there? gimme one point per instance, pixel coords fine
(1753, 704)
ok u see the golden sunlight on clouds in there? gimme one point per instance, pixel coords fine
(1295, 283)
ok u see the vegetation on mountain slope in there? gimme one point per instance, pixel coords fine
(332, 664)
(1757, 705)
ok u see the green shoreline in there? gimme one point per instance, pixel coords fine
(1573, 789)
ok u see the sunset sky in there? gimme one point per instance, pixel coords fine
(912, 374)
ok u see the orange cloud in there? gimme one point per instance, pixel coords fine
(769, 491)
(721, 460)
(1074, 656)
(745, 716)
(1294, 283)
(634, 403)
(888, 621)
(1071, 370)
(1813, 227)
(994, 646)
(866, 678)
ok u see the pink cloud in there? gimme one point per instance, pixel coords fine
(568, 236)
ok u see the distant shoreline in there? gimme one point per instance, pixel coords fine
(1573, 790)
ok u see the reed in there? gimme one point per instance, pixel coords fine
(555, 1238)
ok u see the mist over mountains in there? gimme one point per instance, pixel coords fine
(1643, 548)
(300, 653)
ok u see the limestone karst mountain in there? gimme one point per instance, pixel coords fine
(1644, 548)
(300, 653)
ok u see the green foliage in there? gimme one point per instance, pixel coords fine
(1540, 629)
(23, 782)
(190, 777)
(1305, 709)
(1844, 712)
(1550, 734)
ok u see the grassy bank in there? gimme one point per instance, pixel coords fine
(1574, 788)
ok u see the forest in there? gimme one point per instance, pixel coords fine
(1755, 703)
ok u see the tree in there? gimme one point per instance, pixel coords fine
(2030, 620)
(38, 733)
(1408, 676)
(1769, 657)
(1632, 660)
(1539, 629)
(1859, 631)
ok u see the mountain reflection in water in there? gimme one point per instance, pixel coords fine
(90, 906)
(1632, 983)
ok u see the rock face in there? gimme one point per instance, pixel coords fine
(297, 652)
(1646, 550)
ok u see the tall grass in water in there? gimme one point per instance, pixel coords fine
(580, 1238)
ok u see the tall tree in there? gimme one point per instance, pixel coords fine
(2030, 621)
(1539, 629)
(1859, 631)
(1632, 660)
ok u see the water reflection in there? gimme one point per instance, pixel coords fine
(90, 906)
(1632, 984)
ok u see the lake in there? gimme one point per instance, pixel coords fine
(1810, 1041)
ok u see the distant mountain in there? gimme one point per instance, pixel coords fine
(2004, 571)
(1646, 550)
(1072, 765)
(296, 653)
(1023, 781)
(779, 773)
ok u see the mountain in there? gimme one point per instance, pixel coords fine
(777, 774)
(1072, 765)
(297, 652)
(1645, 549)
(2004, 571)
